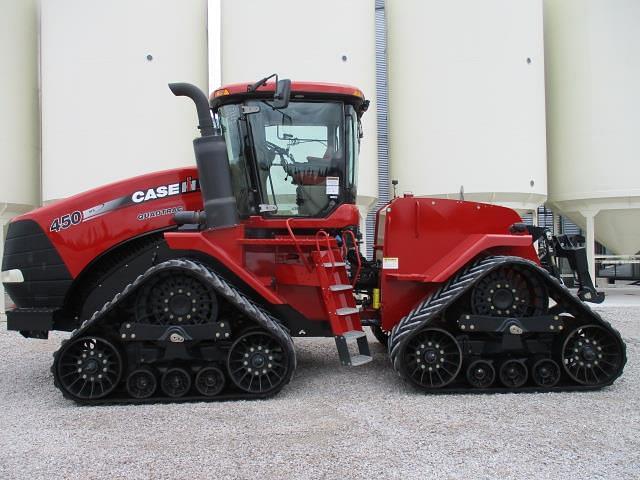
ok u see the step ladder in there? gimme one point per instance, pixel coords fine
(340, 306)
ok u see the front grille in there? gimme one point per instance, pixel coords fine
(46, 278)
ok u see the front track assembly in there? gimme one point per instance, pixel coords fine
(491, 329)
(179, 332)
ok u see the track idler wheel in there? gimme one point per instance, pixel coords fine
(210, 381)
(481, 374)
(175, 382)
(88, 368)
(141, 383)
(432, 358)
(258, 363)
(545, 373)
(591, 355)
(513, 373)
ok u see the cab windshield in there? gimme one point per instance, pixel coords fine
(304, 156)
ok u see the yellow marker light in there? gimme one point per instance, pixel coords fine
(220, 93)
(376, 298)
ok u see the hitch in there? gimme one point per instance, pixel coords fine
(552, 247)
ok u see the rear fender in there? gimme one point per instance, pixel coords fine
(222, 245)
(472, 247)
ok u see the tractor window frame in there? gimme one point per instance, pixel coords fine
(265, 188)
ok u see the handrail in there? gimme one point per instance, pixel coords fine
(322, 233)
(359, 269)
(297, 245)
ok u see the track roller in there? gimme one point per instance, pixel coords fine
(513, 373)
(210, 381)
(175, 382)
(481, 374)
(545, 373)
(141, 383)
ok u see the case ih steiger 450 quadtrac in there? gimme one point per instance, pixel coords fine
(189, 284)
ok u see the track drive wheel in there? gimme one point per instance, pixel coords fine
(176, 298)
(591, 355)
(88, 368)
(258, 363)
(431, 358)
(510, 291)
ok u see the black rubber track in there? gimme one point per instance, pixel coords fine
(427, 312)
(261, 318)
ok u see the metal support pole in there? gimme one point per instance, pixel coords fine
(3, 208)
(556, 224)
(590, 244)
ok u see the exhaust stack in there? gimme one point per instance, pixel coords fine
(213, 164)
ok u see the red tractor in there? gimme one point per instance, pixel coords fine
(189, 284)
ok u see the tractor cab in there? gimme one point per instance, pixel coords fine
(292, 147)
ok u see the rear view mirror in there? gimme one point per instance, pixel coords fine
(283, 93)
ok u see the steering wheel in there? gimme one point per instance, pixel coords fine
(277, 149)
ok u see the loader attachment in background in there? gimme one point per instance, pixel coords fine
(552, 247)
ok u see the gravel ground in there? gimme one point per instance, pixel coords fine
(330, 422)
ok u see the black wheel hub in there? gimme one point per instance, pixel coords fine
(510, 291)
(91, 366)
(588, 353)
(180, 305)
(432, 358)
(257, 362)
(479, 373)
(142, 382)
(176, 299)
(592, 355)
(88, 367)
(503, 299)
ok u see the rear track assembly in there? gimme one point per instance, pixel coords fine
(490, 329)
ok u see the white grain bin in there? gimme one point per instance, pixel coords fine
(19, 120)
(593, 76)
(107, 113)
(466, 99)
(314, 40)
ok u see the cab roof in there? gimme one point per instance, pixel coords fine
(237, 92)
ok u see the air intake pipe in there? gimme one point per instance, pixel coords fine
(213, 165)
